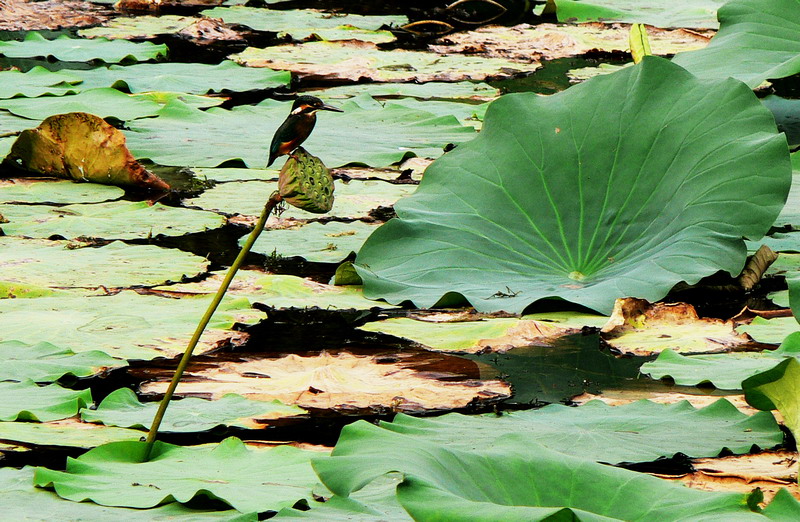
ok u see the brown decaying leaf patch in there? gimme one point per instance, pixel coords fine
(343, 382)
(770, 471)
(207, 31)
(525, 42)
(641, 328)
(82, 147)
(155, 6)
(22, 15)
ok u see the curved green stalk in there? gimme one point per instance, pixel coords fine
(274, 199)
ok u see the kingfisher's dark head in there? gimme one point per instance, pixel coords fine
(309, 105)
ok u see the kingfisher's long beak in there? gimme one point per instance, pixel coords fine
(331, 108)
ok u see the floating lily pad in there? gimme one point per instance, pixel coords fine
(496, 335)
(725, 371)
(544, 204)
(24, 501)
(100, 102)
(122, 408)
(66, 433)
(111, 220)
(757, 41)
(639, 328)
(11, 125)
(247, 480)
(352, 200)
(679, 13)
(125, 325)
(27, 401)
(139, 27)
(222, 175)
(188, 137)
(69, 49)
(771, 331)
(790, 215)
(317, 242)
(303, 23)
(56, 191)
(194, 78)
(192, 100)
(584, 73)
(519, 481)
(36, 82)
(424, 91)
(777, 389)
(44, 362)
(358, 61)
(343, 382)
(57, 264)
(281, 291)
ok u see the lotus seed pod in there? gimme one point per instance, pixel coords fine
(306, 183)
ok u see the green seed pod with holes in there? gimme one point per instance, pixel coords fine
(306, 183)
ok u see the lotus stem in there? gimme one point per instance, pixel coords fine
(274, 199)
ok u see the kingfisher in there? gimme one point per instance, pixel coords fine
(297, 126)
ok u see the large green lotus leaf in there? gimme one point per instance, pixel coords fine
(23, 501)
(36, 82)
(280, 291)
(338, 61)
(194, 78)
(777, 389)
(139, 27)
(45, 362)
(125, 325)
(317, 242)
(679, 13)
(641, 431)
(385, 134)
(303, 23)
(770, 331)
(67, 433)
(27, 401)
(424, 91)
(247, 480)
(725, 371)
(486, 334)
(757, 41)
(222, 175)
(69, 49)
(122, 408)
(576, 195)
(104, 102)
(58, 264)
(111, 220)
(519, 480)
(351, 200)
(56, 191)
(377, 501)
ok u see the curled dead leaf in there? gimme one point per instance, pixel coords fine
(81, 147)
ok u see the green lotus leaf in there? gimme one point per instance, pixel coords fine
(790, 215)
(44, 362)
(56, 191)
(317, 242)
(124, 325)
(757, 41)
(27, 401)
(23, 501)
(697, 14)
(188, 137)
(223, 175)
(37, 82)
(111, 220)
(303, 23)
(69, 49)
(770, 331)
(281, 291)
(333, 61)
(58, 264)
(352, 200)
(11, 125)
(783, 506)
(67, 433)
(139, 27)
(519, 480)
(787, 118)
(122, 408)
(194, 78)
(641, 431)
(423, 91)
(777, 389)
(578, 196)
(247, 480)
(192, 100)
(104, 102)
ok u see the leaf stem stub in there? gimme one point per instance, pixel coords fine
(576, 276)
(306, 183)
